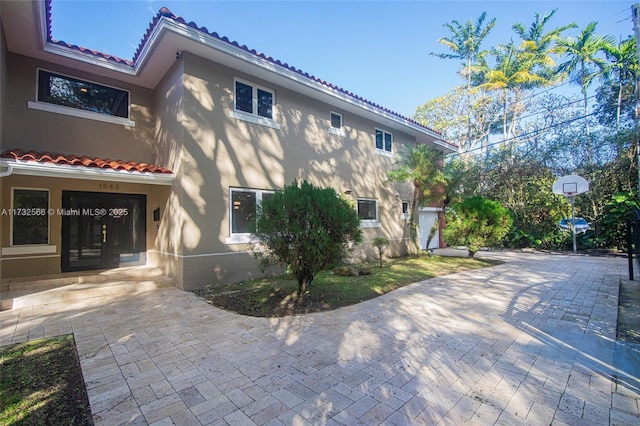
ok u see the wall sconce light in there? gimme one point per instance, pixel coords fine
(347, 191)
(156, 214)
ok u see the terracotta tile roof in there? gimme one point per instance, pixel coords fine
(85, 161)
(165, 12)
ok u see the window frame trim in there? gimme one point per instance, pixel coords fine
(243, 237)
(369, 223)
(383, 151)
(406, 215)
(78, 112)
(254, 100)
(338, 131)
(28, 247)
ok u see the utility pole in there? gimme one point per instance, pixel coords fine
(635, 13)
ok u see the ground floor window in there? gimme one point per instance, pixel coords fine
(244, 206)
(405, 210)
(30, 216)
(367, 210)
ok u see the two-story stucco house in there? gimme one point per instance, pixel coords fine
(162, 159)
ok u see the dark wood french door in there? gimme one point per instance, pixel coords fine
(102, 230)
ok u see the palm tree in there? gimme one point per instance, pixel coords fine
(465, 43)
(420, 165)
(623, 67)
(514, 71)
(583, 64)
(541, 44)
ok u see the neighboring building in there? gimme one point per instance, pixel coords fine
(162, 160)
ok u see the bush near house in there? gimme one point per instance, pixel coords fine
(307, 228)
(475, 223)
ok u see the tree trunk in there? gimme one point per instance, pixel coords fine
(504, 119)
(588, 131)
(619, 105)
(413, 223)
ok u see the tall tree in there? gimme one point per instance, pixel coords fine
(514, 72)
(422, 166)
(536, 41)
(465, 44)
(446, 114)
(584, 63)
(622, 68)
(524, 65)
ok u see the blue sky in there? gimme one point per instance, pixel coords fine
(378, 50)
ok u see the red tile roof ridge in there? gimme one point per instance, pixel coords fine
(164, 12)
(82, 160)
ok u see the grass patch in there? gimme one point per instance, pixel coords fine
(41, 383)
(277, 296)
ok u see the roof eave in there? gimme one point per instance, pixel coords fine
(166, 25)
(14, 167)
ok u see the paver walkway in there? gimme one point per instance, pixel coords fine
(531, 341)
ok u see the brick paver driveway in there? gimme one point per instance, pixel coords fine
(531, 341)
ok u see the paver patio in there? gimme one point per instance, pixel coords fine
(531, 341)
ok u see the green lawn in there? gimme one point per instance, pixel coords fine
(41, 384)
(277, 296)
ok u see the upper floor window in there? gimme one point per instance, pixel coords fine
(71, 92)
(335, 124)
(336, 120)
(384, 141)
(254, 100)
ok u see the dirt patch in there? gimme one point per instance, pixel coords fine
(629, 312)
(279, 303)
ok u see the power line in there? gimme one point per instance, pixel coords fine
(525, 135)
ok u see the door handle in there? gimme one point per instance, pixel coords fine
(104, 233)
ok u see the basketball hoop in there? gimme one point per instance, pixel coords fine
(570, 186)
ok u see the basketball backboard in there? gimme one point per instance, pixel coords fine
(570, 185)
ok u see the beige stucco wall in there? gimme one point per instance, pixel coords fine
(33, 264)
(168, 134)
(217, 152)
(28, 128)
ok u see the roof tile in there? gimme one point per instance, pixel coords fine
(83, 161)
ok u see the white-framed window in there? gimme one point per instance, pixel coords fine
(384, 142)
(77, 97)
(243, 206)
(336, 120)
(406, 213)
(367, 212)
(29, 217)
(336, 124)
(249, 98)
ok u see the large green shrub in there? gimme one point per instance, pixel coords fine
(617, 212)
(475, 223)
(309, 229)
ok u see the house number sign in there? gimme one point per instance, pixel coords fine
(112, 186)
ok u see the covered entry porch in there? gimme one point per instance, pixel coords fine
(59, 217)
